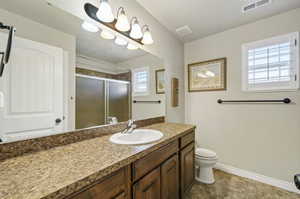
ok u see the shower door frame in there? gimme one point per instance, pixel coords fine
(106, 93)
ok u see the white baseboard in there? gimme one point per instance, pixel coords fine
(289, 186)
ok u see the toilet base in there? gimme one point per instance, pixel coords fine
(205, 175)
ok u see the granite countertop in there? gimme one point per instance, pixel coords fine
(60, 171)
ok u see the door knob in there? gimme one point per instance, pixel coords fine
(58, 121)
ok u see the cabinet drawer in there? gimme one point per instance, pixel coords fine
(187, 139)
(154, 159)
(114, 186)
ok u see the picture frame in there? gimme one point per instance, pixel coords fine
(207, 75)
(160, 81)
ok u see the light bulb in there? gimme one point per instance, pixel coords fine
(105, 34)
(122, 21)
(89, 27)
(120, 41)
(136, 30)
(132, 47)
(147, 38)
(105, 12)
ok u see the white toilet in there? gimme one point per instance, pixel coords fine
(205, 160)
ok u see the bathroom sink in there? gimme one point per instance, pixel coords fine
(137, 136)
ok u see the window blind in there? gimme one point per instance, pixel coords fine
(271, 63)
(140, 81)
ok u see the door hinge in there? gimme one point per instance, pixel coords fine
(296, 42)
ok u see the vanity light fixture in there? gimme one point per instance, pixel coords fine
(136, 30)
(105, 34)
(104, 12)
(131, 30)
(120, 41)
(147, 38)
(132, 47)
(89, 27)
(122, 21)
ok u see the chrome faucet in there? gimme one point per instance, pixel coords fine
(130, 127)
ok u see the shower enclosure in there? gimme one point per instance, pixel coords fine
(99, 100)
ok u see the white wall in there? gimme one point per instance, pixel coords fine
(263, 138)
(31, 30)
(144, 110)
(89, 63)
(166, 45)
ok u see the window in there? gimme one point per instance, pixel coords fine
(271, 64)
(140, 81)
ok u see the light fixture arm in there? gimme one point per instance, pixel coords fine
(134, 19)
(120, 10)
(145, 28)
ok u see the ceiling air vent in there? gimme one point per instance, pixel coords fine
(255, 4)
(249, 7)
(262, 3)
(184, 31)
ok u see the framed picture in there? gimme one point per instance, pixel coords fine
(160, 81)
(207, 75)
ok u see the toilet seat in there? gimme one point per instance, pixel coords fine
(205, 158)
(205, 153)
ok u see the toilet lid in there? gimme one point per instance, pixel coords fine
(205, 153)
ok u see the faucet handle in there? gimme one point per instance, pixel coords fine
(130, 122)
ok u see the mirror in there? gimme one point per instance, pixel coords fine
(61, 77)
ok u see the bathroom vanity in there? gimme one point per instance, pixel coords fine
(96, 168)
(164, 173)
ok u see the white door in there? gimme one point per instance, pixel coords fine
(32, 89)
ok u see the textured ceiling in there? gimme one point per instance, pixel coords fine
(206, 17)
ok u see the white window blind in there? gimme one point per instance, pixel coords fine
(271, 64)
(141, 81)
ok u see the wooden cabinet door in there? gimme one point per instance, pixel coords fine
(187, 165)
(114, 186)
(170, 178)
(148, 187)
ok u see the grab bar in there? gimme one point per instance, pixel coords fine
(136, 101)
(285, 100)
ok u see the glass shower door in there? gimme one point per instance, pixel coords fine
(90, 102)
(118, 106)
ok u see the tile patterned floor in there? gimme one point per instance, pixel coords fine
(229, 186)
